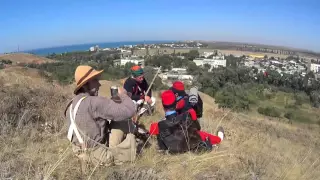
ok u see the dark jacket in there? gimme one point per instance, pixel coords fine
(177, 134)
(198, 108)
(132, 87)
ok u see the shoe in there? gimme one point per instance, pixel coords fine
(220, 133)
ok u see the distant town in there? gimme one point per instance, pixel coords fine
(289, 64)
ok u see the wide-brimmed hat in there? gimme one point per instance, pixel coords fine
(83, 74)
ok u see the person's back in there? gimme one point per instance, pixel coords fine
(93, 115)
(177, 135)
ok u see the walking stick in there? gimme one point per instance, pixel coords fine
(146, 92)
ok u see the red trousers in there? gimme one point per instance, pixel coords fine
(213, 139)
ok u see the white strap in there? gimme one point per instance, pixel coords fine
(73, 126)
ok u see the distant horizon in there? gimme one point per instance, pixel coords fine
(155, 41)
(134, 41)
(102, 42)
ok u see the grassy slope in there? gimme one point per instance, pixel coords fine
(254, 148)
(24, 58)
(304, 113)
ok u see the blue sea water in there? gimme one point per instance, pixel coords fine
(85, 47)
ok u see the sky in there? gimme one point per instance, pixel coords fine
(38, 24)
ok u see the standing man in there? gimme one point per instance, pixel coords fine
(88, 114)
(136, 86)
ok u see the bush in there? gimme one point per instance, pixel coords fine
(270, 111)
(234, 97)
(288, 115)
(22, 106)
(298, 116)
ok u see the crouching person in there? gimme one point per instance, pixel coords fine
(178, 133)
(87, 116)
(136, 86)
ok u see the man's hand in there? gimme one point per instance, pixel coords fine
(121, 91)
(148, 99)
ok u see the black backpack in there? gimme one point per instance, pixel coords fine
(173, 132)
(198, 107)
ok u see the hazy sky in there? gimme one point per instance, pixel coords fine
(46, 23)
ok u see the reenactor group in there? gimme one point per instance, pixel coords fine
(105, 130)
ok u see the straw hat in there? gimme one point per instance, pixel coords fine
(83, 74)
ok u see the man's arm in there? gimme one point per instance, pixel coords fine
(194, 119)
(128, 86)
(105, 108)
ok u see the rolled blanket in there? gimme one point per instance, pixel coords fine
(193, 95)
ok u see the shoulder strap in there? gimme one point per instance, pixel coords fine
(65, 111)
(73, 126)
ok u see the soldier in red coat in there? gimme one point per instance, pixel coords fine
(173, 130)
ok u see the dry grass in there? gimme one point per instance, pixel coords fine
(25, 58)
(35, 145)
(17, 58)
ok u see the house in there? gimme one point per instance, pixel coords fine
(181, 57)
(124, 61)
(315, 68)
(207, 54)
(179, 70)
(215, 61)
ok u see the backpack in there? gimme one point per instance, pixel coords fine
(172, 135)
(195, 101)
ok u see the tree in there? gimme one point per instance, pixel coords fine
(192, 68)
(192, 54)
(206, 66)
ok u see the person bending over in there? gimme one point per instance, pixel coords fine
(179, 133)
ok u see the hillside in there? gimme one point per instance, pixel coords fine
(17, 58)
(33, 143)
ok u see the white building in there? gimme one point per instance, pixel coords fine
(215, 62)
(91, 49)
(168, 76)
(315, 68)
(249, 63)
(122, 62)
(179, 70)
(207, 54)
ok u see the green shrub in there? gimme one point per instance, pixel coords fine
(298, 116)
(289, 115)
(234, 97)
(270, 111)
(291, 106)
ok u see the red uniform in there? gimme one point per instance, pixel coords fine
(154, 130)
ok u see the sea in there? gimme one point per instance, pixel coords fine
(85, 47)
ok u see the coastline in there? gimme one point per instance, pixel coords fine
(85, 47)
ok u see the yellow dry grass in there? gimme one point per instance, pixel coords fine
(25, 58)
(254, 148)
